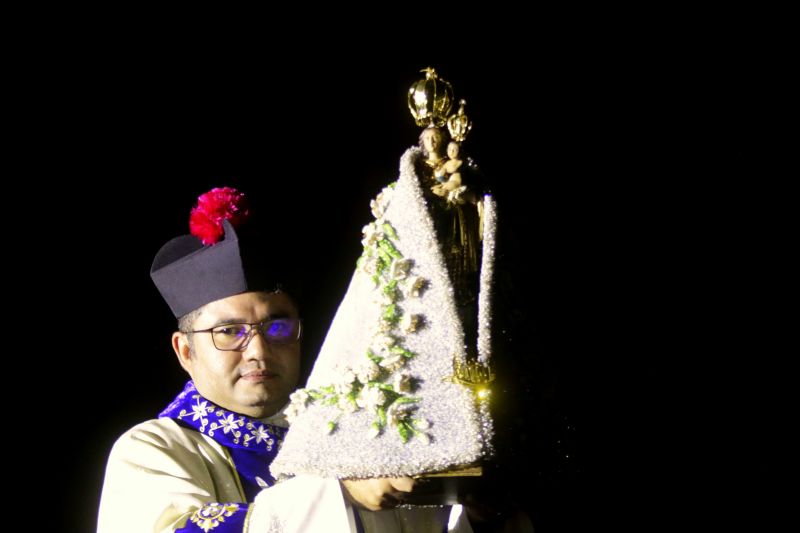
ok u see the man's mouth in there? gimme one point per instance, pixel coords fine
(258, 375)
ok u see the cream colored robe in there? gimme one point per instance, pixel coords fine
(159, 473)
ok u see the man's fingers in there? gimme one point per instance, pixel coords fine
(403, 484)
(378, 493)
(390, 501)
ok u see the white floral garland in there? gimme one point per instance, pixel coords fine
(378, 384)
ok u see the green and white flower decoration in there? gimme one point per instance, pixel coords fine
(378, 383)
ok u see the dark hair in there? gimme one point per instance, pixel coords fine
(186, 324)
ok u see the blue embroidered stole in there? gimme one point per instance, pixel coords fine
(252, 444)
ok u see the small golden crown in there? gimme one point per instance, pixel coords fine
(459, 124)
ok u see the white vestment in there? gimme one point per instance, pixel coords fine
(160, 473)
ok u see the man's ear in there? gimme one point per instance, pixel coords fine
(180, 344)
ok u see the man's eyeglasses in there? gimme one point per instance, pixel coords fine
(238, 336)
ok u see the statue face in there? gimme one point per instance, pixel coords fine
(452, 150)
(431, 140)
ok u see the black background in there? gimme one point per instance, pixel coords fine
(602, 158)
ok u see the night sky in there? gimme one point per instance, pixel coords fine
(589, 153)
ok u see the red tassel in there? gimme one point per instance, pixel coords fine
(218, 204)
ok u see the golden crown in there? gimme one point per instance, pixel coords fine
(459, 124)
(430, 100)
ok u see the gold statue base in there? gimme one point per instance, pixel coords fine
(466, 471)
(447, 487)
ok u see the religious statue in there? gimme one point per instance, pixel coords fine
(402, 381)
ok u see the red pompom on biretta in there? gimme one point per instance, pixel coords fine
(218, 204)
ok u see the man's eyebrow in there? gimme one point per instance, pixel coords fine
(226, 321)
(239, 320)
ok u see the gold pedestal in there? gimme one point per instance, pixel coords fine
(445, 487)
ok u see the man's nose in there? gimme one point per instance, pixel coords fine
(257, 347)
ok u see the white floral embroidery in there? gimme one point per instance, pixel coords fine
(261, 435)
(199, 410)
(229, 424)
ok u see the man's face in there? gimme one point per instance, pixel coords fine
(256, 381)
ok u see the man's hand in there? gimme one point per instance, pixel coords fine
(377, 493)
